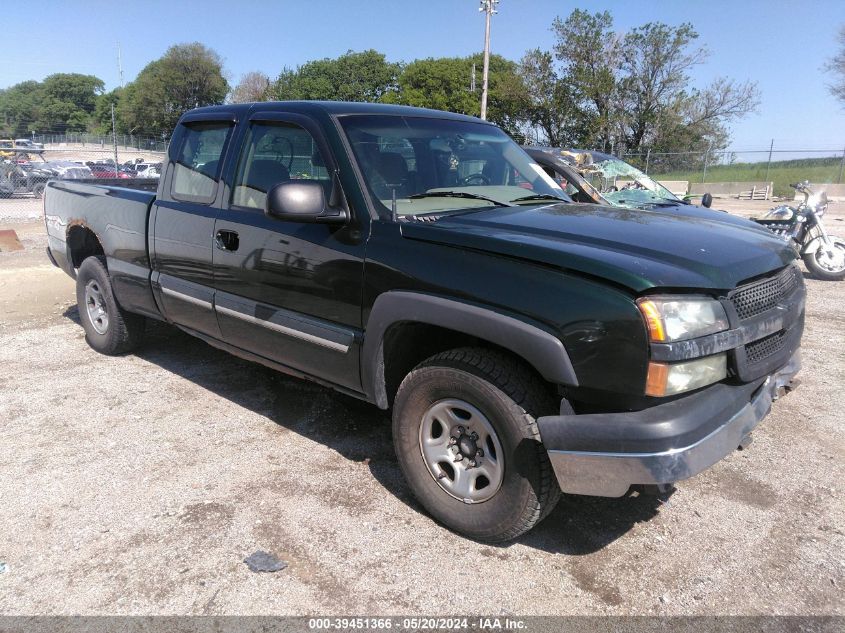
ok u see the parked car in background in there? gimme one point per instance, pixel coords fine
(7, 147)
(25, 143)
(101, 170)
(67, 170)
(148, 170)
(598, 178)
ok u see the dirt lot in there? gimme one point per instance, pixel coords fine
(137, 485)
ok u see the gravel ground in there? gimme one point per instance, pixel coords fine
(137, 485)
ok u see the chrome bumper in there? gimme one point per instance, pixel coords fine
(723, 424)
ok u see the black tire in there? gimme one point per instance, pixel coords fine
(38, 190)
(820, 272)
(122, 331)
(511, 398)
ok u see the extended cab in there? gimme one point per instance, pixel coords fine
(423, 262)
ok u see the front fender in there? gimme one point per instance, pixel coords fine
(539, 347)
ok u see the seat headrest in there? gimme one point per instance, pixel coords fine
(263, 174)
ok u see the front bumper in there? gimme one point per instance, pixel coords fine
(605, 454)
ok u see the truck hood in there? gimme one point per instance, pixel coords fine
(636, 249)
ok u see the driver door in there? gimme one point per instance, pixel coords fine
(288, 291)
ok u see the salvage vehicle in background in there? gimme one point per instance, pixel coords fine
(599, 178)
(19, 179)
(823, 254)
(23, 176)
(421, 261)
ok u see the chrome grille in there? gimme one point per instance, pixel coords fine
(765, 347)
(759, 296)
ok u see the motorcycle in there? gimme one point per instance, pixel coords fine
(823, 254)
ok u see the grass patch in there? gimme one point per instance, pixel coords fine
(781, 173)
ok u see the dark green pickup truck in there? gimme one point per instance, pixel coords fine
(423, 262)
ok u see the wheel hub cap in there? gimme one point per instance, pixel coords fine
(95, 306)
(832, 259)
(466, 446)
(462, 451)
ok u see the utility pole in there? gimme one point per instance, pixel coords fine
(769, 164)
(841, 168)
(114, 139)
(488, 7)
(119, 66)
(706, 156)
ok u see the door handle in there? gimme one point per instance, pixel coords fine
(227, 240)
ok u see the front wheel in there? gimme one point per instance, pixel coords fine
(828, 265)
(109, 329)
(465, 432)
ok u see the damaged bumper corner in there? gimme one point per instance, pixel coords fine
(605, 454)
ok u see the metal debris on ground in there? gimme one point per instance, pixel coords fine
(9, 241)
(262, 561)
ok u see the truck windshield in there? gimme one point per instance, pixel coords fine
(475, 164)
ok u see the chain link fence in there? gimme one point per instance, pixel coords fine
(25, 172)
(778, 167)
(54, 140)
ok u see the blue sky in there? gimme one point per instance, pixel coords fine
(780, 44)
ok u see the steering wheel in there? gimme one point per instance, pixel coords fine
(478, 176)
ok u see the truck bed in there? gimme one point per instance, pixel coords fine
(117, 216)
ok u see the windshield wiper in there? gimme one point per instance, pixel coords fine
(459, 194)
(540, 196)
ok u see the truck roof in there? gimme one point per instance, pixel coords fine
(336, 108)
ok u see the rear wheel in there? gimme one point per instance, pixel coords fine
(109, 329)
(465, 432)
(827, 264)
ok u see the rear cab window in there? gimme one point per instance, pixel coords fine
(197, 158)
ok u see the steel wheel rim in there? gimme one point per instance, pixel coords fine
(449, 429)
(831, 264)
(95, 305)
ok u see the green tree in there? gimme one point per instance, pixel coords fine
(62, 102)
(20, 108)
(550, 105)
(656, 59)
(253, 86)
(101, 119)
(364, 76)
(630, 91)
(445, 84)
(68, 101)
(591, 56)
(187, 76)
(836, 66)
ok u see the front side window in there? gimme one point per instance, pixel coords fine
(197, 160)
(410, 162)
(274, 153)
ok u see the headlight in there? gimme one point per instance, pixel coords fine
(668, 379)
(677, 318)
